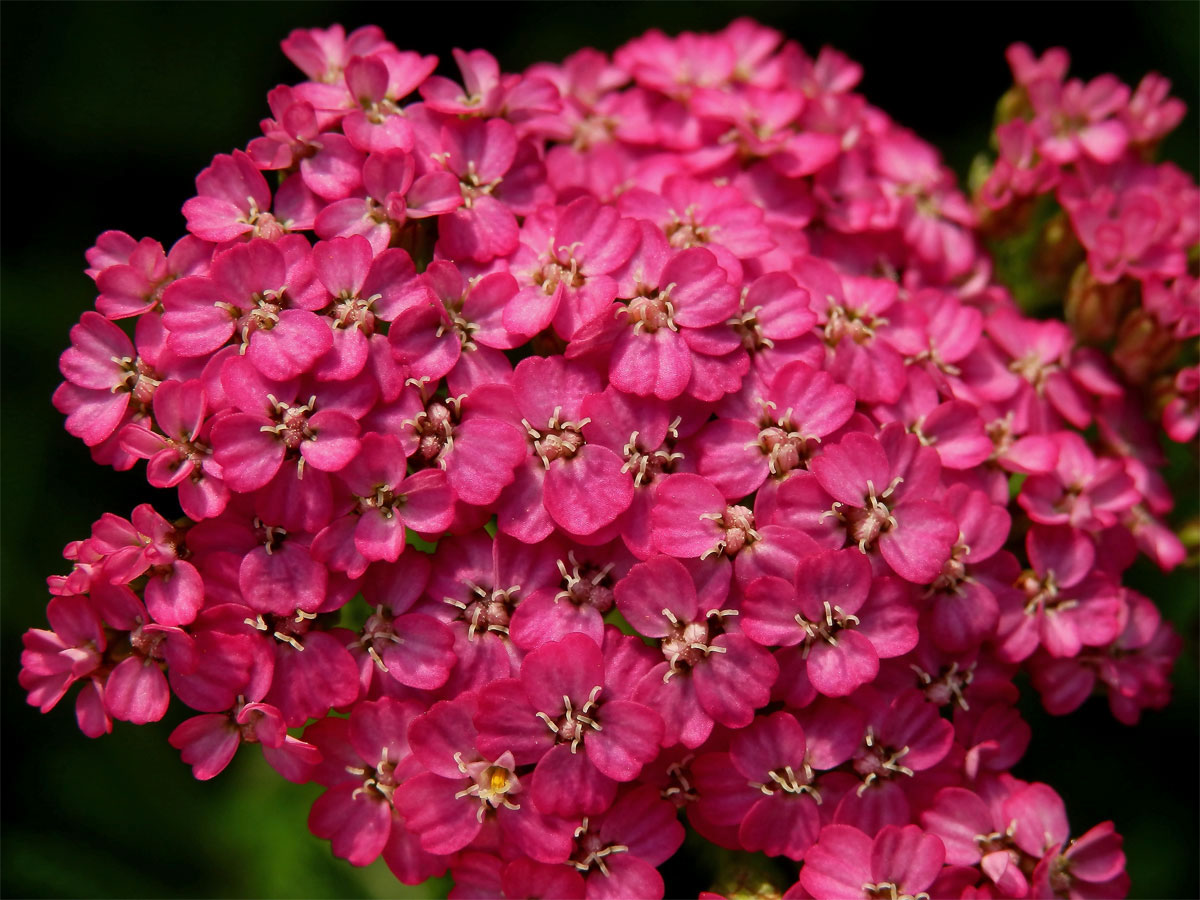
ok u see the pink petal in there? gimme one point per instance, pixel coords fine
(837, 671)
(567, 784)
(587, 491)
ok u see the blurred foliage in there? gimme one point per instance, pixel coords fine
(109, 110)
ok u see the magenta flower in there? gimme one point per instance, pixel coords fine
(581, 486)
(234, 201)
(778, 813)
(618, 850)
(1063, 604)
(385, 503)
(674, 303)
(274, 425)
(447, 804)
(563, 704)
(322, 53)
(105, 377)
(135, 287)
(879, 490)
(801, 407)
(71, 649)
(709, 673)
(209, 742)
(564, 265)
(1074, 119)
(178, 453)
(847, 863)
(841, 621)
(247, 294)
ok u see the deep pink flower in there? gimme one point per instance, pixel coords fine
(261, 293)
(322, 53)
(1074, 119)
(880, 489)
(208, 742)
(234, 201)
(105, 377)
(135, 287)
(820, 611)
(564, 714)
(276, 422)
(564, 264)
(847, 863)
(376, 85)
(577, 602)
(447, 804)
(618, 850)
(672, 308)
(1084, 491)
(1063, 602)
(763, 786)
(55, 659)
(565, 480)
(801, 407)
(710, 672)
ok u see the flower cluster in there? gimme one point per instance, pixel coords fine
(565, 451)
(1113, 228)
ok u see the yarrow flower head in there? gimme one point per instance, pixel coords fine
(561, 451)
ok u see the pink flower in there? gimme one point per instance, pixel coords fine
(564, 263)
(234, 200)
(710, 672)
(1066, 604)
(1074, 119)
(778, 815)
(875, 486)
(676, 302)
(847, 863)
(618, 850)
(563, 704)
(105, 376)
(322, 53)
(447, 804)
(565, 480)
(819, 611)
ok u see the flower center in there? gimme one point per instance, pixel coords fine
(874, 761)
(885, 890)
(865, 524)
(1042, 593)
(737, 525)
(649, 466)
(650, 313)
(494, 781)
(378, 781)
(285, 629)
(950, 684)
(354, 312)
(843, 322)
(136, 378)
(486, 611)
(749, 329)
(292, 423)
(558, 440)
(574, 724)
(264, 224)
(591, 849)
(472, 187)
(586, 584)
(558, 266)
(685, 231)
(687, 644)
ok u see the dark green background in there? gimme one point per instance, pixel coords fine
(108, 112)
